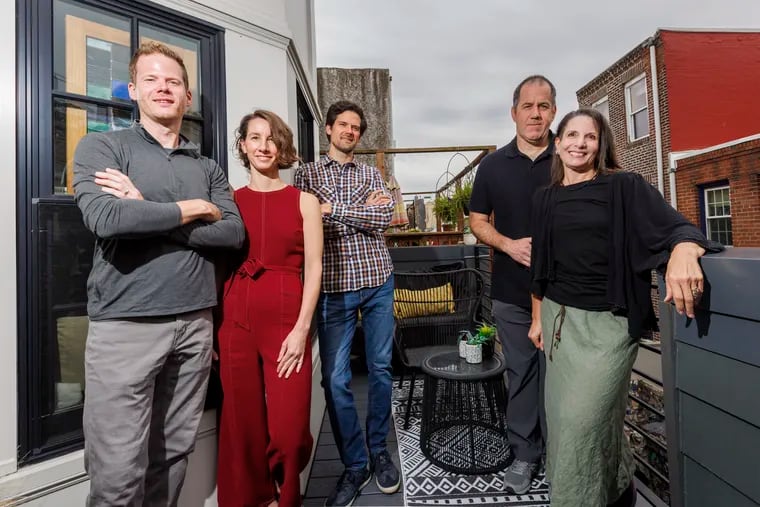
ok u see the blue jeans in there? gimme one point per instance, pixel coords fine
(338, 314)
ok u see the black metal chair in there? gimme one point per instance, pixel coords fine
(430, 310)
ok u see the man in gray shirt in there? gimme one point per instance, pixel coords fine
(158, 210)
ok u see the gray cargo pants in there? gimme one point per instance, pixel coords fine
(146, 384)
(526, 368)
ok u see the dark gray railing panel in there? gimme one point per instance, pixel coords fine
(727, 335)
(706, 490)
(711, 373)
(725, 445)
(729, 385)
(415, 258)
(734, 282)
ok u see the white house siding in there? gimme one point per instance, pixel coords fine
(263, 70)
(8, 324)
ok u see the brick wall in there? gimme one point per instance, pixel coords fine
(739, 165)
(640, 155)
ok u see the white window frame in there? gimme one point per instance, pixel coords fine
(629, 112)
(706, 191)
(604, 99)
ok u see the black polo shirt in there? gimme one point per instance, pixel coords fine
(504, 184)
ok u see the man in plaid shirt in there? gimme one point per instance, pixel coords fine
(357, 276)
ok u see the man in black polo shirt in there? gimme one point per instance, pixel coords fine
(504, 185)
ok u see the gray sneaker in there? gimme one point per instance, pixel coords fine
(519, 475)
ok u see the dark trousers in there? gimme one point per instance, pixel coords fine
(526, 367)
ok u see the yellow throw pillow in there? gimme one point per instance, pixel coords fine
(416, 303)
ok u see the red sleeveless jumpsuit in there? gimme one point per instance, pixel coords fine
(264, 431)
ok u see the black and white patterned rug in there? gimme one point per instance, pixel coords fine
(425, 484)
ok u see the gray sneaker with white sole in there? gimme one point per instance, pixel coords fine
(519, 475)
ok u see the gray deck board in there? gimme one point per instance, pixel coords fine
(327, 466)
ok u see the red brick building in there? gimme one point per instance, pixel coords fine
(685, 90)
(719, 188)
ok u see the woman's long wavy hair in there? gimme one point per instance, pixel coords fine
(281, 134)
(606, 160)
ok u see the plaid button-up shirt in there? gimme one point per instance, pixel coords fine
(355, 255)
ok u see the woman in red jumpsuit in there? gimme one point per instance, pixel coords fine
(264, 345)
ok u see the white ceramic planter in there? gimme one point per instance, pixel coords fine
(469, 238)
(462, 345)
(473, 353)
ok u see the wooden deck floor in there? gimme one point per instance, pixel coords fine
(327, 466)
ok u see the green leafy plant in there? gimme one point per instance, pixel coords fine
(445, 209)
(483, 335)
(462, 196)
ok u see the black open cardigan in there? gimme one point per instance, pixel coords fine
(643, 230)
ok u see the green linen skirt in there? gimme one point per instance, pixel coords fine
(589, 357)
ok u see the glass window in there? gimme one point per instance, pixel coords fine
(305, 129)
(637, 108)
(91, 60)
(91, 51)
(603, 106)
(79, 76)
(718, 215)
(187, 48)
(71, 121)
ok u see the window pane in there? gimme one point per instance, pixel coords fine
(641, 124)
(638, 93)
(193, 131)
(724, 197)
(720, 230)
(604, 108)
(63, 257)
(189, 49)
(71, 121)
(91, 52)
(718, 202)
(305, 129)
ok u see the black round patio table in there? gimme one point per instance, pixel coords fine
(464, 427)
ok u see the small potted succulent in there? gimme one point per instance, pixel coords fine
(474, 347)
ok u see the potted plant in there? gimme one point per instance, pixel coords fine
(482, 339)
(487, 335)
(473, 352)
(445, 209)
(462, 197)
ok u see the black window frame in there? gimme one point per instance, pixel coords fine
(306, 148)
(37, 439)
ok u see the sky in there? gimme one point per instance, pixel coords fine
(454, 65)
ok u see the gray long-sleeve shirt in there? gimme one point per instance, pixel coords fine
(147, 264)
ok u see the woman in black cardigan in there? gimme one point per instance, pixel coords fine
(597, 234)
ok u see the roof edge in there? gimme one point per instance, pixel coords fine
(680, 155)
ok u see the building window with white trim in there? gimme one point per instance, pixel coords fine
(717, 213)
(637, 108)
(603, 106)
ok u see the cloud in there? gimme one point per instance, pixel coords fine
(455, 64)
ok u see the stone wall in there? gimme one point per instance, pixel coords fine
(371, 90)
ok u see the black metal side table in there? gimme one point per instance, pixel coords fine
(464, 425)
